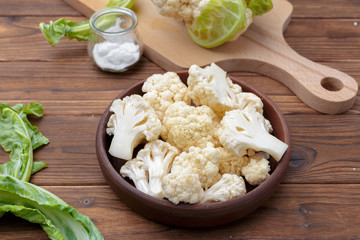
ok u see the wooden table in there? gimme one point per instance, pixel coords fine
(319, 197)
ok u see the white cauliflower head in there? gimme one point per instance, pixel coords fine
(228, 187)
(202, 161)
(133, 121)
(231, 163)
(185, 126)
(209, 86)
(134, 169)
(258, 168)
(186, 10)
(161, 90)
(183, 186)
(244, 129)
(157, 158)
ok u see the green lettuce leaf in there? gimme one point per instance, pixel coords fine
(37, 166)
(20, 138)
(35, 204)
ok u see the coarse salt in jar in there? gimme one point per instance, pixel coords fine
(114, 44)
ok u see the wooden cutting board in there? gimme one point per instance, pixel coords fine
(261, 49)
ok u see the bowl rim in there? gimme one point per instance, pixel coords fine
(274, 178)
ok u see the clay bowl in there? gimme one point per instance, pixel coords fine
(198, 215)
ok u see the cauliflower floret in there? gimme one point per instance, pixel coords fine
(157, 158)
(248, 99)
(183, 186)
(234, 87)
(243, 129)
(185, 126)
(211, 87)
(228, 187)
(202, 161)
(133, 120)
(134, 169)
(231, 163)
(257, 170)
(161, 90)
(186, 10)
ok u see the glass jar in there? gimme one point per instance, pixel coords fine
(114, 44)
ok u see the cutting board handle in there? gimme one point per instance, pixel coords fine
(325, 89)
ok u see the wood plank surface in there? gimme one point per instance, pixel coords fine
(319, 197)
(319, 40)
(16, 8)
(35, 81)
(296, 211)
(344, 9)
(322, 152)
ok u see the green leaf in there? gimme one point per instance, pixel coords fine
(18, 107)
(120, 3)
(63, 28)
(55, 31)
(219, 22)
(35, 109)
(259, 7)
(14, 137)
(20, 138)
(35, 204)
(37, 166)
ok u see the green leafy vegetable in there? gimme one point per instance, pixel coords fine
(55, 31)
(57, 218)
(120, 3)
(25, 200)
(218, 22)
(259, 7)
(19, 137)
(37, 166)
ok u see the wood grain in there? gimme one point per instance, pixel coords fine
(326, 9)
(76, 92)
(307, 37)
(304, 207)
(318, 156)
(36, 8)
(319, 196)
(335, 9)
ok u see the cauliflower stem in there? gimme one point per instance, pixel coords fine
(157, 157)
(228, 187)
(133, 121)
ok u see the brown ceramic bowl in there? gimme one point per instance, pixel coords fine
(198, 215)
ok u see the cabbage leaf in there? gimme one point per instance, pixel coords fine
(23, 199)
(37, 205)
(259, 7)
(20, 138)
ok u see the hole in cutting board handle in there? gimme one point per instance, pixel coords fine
(332, 84)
